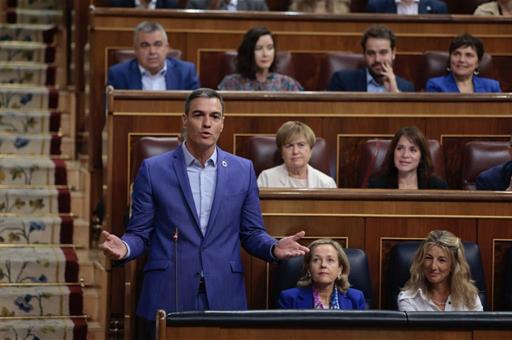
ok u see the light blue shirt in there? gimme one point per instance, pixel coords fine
(372, 85)
(152, 82)
(202, 182)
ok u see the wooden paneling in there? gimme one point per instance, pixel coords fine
(372, 220)
(190, 31)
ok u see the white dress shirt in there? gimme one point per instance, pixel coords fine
(408, 9)
(150, 4)
(416, 301)
(152, 82)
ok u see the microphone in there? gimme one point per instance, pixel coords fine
(175, 238)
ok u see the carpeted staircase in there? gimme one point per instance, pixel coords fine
(47, 273)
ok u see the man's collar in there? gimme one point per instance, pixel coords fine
(370, 79)
(190, 159)
(399, 1)
(144, 72)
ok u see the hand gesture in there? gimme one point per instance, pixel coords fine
(388, 78)
(289, 247)
(113, 246)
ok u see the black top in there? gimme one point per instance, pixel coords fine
(384, 182)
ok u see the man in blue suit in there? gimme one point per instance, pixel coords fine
(410, 7)
(192, 208)
(378, 43)
(498, 178)
(152, 69)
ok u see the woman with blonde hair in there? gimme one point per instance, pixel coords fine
(320, 6)
(324, 283)
(440, 277)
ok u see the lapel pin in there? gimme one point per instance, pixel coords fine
(224, 164)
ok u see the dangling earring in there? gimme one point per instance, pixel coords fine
(476, 72)
(448, 69)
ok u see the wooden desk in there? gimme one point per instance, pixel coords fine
(330, 324)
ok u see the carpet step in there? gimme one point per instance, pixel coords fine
(34, 16)
(24, 230)
(41, 301)
(33, 144)
(27, 73)
(14, 96)
(34, 200)
(34, 122)
(37, 171)
(33, 265)
(46, 328)
(26, 51)
(28, 33)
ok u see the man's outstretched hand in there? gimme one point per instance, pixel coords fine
(289, 247)
(113, 246)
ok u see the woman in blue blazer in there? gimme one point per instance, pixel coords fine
(466, 52)
(324, 284)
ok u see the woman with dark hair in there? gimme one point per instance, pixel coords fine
(440, 277)
(407, 164)
(255, 65)
(324, 283)
(466, 52)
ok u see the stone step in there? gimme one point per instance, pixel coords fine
(81, 233)
(79, 204)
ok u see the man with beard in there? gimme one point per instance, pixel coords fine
(378, 43)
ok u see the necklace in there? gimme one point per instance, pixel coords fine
(439, 304)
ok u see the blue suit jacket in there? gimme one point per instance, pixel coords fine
(355, 80)
(424, 7)
(496, 178)
(181, 75)
(447, 84)
(162, 203)
(302, 298)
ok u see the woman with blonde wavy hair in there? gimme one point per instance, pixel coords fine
(324, 283)
(440, 277)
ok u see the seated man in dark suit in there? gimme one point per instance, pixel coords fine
(410, 7)
(149, 4)
(498, 178)
(229, 5)
(378, 43)
(152, 70)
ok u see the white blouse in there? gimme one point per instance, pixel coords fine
(277, 177)
(416, 301)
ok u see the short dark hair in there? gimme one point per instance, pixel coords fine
(203, 92)
(425, 166)
(245, 63)
(467, 40)
(378, 32)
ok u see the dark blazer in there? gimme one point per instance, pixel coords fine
(447, 84)
(242, 5)
(163, 204)
(384, 182)
(302, 298)
(159, 3)
(424, 7)
(181, 75)
(355, 80)
(496, 178)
